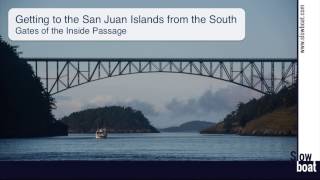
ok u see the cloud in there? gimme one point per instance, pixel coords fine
(65, 107)
(101, 100)
(147, 108)
(210, 105)
(62, 98)
(97, 101)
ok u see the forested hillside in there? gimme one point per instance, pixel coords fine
(274, 114)
(115, 119)
(26, 108)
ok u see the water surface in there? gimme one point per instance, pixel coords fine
(149, 146)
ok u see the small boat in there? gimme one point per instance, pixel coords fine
(101, 133)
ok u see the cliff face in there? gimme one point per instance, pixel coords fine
(115, 119)
(281, 122)
(271, 115)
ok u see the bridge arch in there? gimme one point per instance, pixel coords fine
(266, 76)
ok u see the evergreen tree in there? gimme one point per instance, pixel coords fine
(26, 108)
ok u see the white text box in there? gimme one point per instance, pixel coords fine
(113, 24)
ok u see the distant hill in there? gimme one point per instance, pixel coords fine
(115, 119)
(272, 115)
(192, 126)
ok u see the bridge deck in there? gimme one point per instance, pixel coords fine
(30, 59)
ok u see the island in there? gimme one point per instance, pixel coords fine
(115, 119)
(191, 126)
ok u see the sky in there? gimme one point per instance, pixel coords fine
(167, 99)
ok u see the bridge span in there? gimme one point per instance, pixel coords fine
(266, 76)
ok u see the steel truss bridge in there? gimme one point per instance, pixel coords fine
(266, 76)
